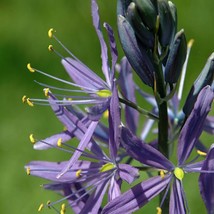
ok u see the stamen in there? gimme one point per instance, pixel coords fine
(30, 68)
(179, 173)
(48, 204)
(50, 48)
(159, 210)
(62, 211)
(24, 99)
(50, 32)
(40, 207)
(201, 153)
(32, 139)
(29, 102)
(78, 173)
(107, 167)
(28, 170)
(46, 91)
(183, 73)
(59, 142)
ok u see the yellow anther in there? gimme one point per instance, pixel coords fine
(32, 139)
(50, 47)
(106, 114)
(104, 93)
(24, 99)
(29, 102)
(30, 68)
(78, 173)
(59, 142)
(46, 91)
(159, 210)
(50, 33)
(63, 209)
(107, 167)
(48, 203)
(201, 153)
(162, 174)
(40, 207)
(28, 170)
(190, 43)
(179, 173)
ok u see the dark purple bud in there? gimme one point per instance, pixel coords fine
(176, 58)
(167, 24)
(205, 78)
(143, 34)
(137, 57)
(147, 12)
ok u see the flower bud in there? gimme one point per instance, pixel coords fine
(145, 36)
(167, 24)
(137, 57)
(176, 58)
(147, 12)
(205, 78)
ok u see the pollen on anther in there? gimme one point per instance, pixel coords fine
(78, 173)
(201, 153)
(24, 99)
(46, 91)
(162, 174)
(106, 114)
(30, 68)
(59, 142)
(29, 102)
(28, 170)
(50, 33)
(159, 210)
(32, 139)
(63, 209)
(50, 47)
(48, 204)
(40, 207)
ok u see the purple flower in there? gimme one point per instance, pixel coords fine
(100, 94)
(85, 183)
(143, 192)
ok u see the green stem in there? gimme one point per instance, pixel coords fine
(138, 108)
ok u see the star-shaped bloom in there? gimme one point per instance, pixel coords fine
(86, 182)
(143, 192)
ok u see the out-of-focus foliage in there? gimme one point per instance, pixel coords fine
(23, 38)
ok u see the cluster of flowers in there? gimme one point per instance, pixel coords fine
(106, 154)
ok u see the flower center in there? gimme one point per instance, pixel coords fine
(179, 173)
(107, 167)
(104, 93)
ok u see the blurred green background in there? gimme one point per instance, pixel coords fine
(23, 38)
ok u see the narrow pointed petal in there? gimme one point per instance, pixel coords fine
(143, 152)
(94, 202)
(82, 145)
(113, 46)
(114, 189)
(82, 75)
(104, 54)
(194, 124)
(128, 172)
(127, 86)
(137, 196)
(50, 170)
(52, 141)
(114, 124)
(177, 199)
(206, 181)
(73, 124)
(209, 125)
